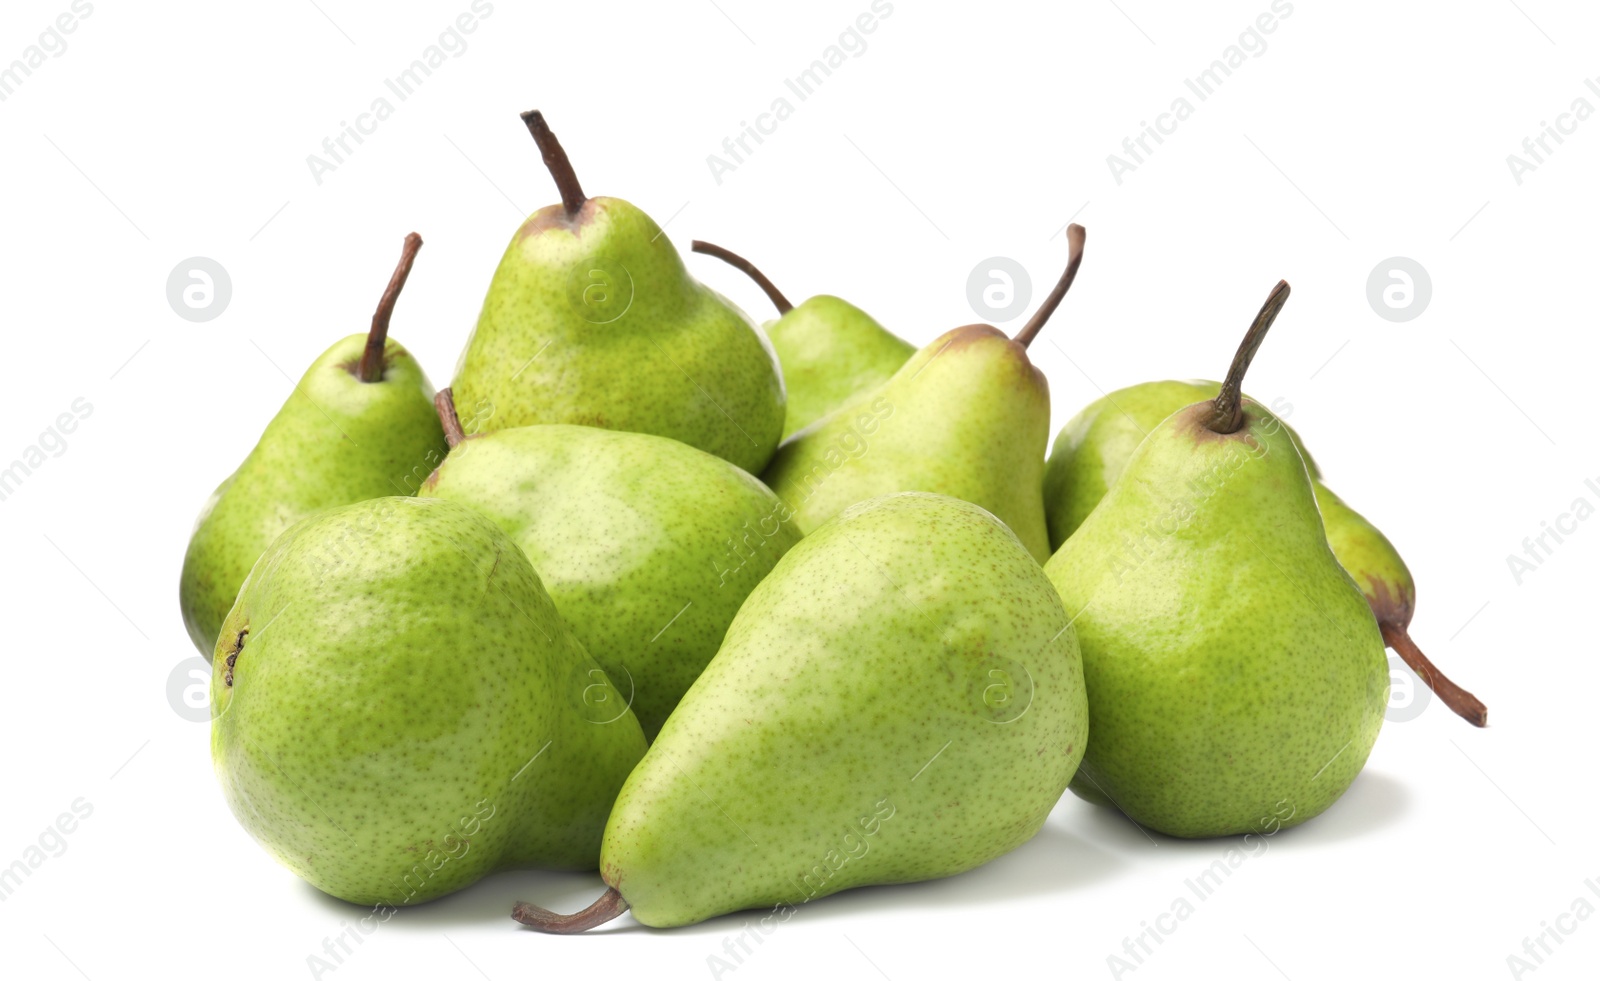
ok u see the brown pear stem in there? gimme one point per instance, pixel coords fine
(445, 402)
(370, 368)
(747, 267)
(1227, 412)
(1458, 699)
(1030, 330)
(555, 161)
(607, 907)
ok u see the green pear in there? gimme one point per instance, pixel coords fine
(830, 350)
(647, 546)
(901, 699)
(359, 425)
(1236, 677)
(591, 319)
(1092, 449)
(399, 709)
(967, 416)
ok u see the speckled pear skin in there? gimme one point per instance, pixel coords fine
(336, 440)
(831, 351)
(901, 699)
(593, 320)
(968, 416)
(1236, 678)
(407, 711)
(1093, 447)
(647, 546)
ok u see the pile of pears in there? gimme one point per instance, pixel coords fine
(742, 616)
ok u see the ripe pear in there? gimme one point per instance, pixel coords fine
(1092, 449)
(1236, 677)
(399, 709)
(359, 425)
(591, 319)
(829, 349)
(646, 546)
(968, 416)
(901, 699)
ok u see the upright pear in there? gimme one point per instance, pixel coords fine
(829, 349)
(968, 416)
(901, 699)
(591, 319)
(359, 425)
(1092, 449)
(1236, 677)
(646, 546)
(399, 710)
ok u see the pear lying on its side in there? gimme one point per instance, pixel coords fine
(399, 710)
(830, 350)
(900, 700)
(360, 424)
(647, 546)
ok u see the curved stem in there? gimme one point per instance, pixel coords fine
(555, 161)
(747, 267)
(370, 367)
(1030, 330)
(445, 402)
(1227, 414)
(1458, 699)
(607, 907)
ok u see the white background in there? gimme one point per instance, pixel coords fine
(1365, 130)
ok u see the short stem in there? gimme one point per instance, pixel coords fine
(1227, 414)
(1030, 330)
(370, 368)
(1457, 699)
(607, 907)
(555, 161)
(445, 402)
(747, 267)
